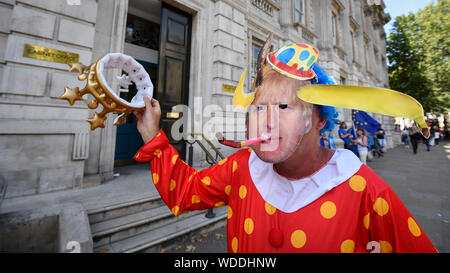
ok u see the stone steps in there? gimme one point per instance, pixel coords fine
(166, 234)
(144, 224)
(123, 207)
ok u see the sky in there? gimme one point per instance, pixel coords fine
(402, 7)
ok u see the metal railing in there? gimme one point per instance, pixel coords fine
(212, 160)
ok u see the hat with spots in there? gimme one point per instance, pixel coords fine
(294, 61)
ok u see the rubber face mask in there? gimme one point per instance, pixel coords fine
(285, 123)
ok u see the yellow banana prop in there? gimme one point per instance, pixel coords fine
(371, 99)
(242, 100)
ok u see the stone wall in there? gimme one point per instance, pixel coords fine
(43, 140)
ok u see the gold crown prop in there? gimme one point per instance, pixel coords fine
(103, 94)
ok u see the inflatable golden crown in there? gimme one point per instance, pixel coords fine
(103, 94)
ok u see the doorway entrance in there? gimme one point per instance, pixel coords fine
(158, 36)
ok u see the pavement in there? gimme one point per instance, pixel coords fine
(130, 183)
(422, 182)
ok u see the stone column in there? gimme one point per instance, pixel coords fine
(109, 37)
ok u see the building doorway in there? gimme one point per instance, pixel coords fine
(158, 36)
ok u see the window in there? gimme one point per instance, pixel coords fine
(366, 52)
(352, 37)
(300, 16)
(334, 28)
(255, 51)
(142, 32)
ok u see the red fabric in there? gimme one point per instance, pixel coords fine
(291, 69)
(361, 210)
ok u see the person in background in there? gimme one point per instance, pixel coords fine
(405, 138)
(361, 141)
(437, 136)
(414, 136)
(323, 138)
(373, 146)
(429, 141)
(345, 136)
(381, 139)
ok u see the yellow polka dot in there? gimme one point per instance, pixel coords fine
(385, 246)
(234, 244)
(347, 246)
(328, 210)
(157, 153)
(249, 226)
(235, 165)
(137, 155)
(206, 180)
(249, 150)
(229, 212)
(269, 208)
(413, 227)
(172, 185)
(357, 183)
(174, 159)
(176, 210)
(381, 207)
(159, 134)
(366, 220)
(155, 178)
(298, 238)
(223, 161)
(228, 190)
(195, 199)
(242, 192)
(220, 204)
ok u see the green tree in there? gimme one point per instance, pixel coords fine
(418, 51)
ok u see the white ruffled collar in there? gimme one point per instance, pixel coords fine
(292, 195)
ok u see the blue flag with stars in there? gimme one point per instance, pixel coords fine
(363, 120)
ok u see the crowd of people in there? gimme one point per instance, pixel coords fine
(412, 135)
(367, 145)
(364, 144)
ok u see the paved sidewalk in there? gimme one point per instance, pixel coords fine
(421, 181)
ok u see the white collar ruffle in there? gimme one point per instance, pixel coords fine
(292, 195)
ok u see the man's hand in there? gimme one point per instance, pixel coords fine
(148, 119)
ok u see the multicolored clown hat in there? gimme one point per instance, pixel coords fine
(294, 61)
(299, 61)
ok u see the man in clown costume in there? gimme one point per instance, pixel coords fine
(287, 193)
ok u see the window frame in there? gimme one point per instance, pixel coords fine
(334, 28)
(301, 11)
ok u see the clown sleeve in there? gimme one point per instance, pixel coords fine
(393, 227)
(182, 187)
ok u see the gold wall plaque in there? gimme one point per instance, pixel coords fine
(49, 54)
(172, 115)
(228, 88)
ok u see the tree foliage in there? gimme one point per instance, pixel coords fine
(418, 51)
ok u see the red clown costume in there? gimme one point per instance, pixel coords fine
(343, 207)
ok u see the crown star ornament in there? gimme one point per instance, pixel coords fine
(103, 94)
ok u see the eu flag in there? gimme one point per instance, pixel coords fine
(363, 120)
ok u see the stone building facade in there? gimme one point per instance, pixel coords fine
(46, 145)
